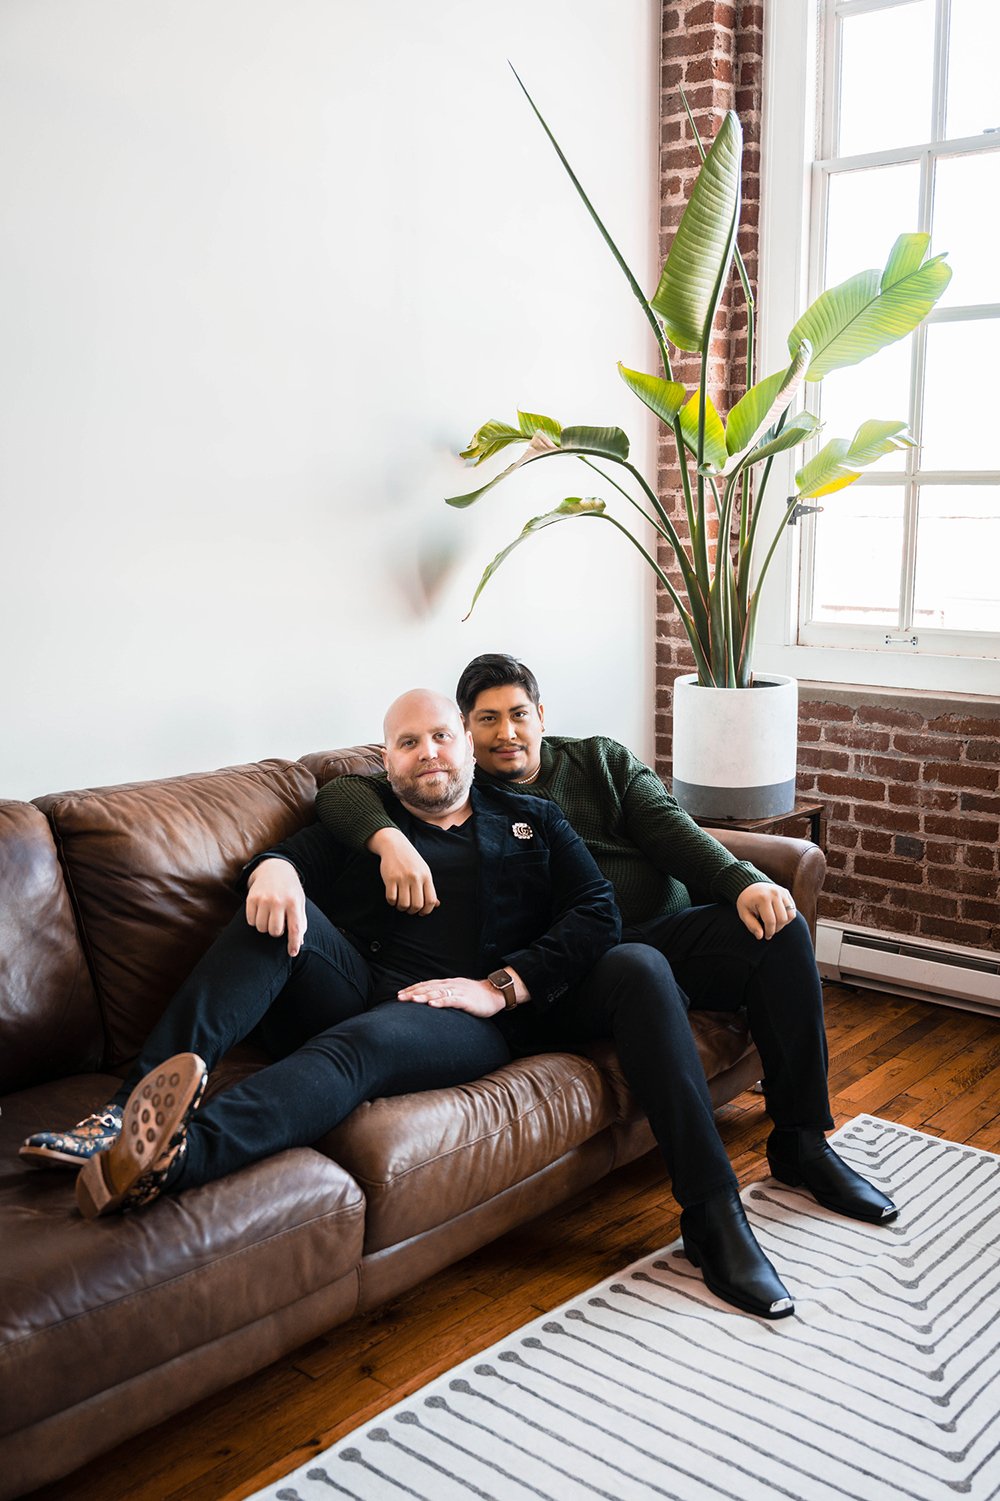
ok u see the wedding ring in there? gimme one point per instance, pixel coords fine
(448, 992)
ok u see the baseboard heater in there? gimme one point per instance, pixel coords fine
(944, 972)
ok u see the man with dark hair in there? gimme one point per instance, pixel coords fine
(743, 945)
(526, 915)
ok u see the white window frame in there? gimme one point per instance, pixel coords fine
(798, 47)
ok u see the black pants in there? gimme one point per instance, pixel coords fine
(332, 1053)
(703, 958)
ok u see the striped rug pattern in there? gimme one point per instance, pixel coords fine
(885, 1386)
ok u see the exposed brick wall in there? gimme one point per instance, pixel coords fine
(911, 784)
(714, 52)
(912, 789)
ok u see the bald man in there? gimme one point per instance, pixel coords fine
(353, 999)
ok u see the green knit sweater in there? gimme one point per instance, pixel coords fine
(646, 845)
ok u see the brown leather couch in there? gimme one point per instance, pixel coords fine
(107, 898)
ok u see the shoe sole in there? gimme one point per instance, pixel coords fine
(50, 1157)
(792, 1179)
(157, 1109)
(733, 1299)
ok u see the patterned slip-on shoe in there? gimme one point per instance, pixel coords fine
(153, 1132)
(72, 1148)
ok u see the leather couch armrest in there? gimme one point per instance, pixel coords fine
(795, 863)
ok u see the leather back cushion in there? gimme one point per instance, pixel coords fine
(356, 760)
(50, 1024)
(151, 868)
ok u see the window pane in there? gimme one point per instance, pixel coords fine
(866, 212)
(958, 431)
(966, 192)
(958, 583)
(878, 387)
(885, 81)
(973, 86)
(859, 547)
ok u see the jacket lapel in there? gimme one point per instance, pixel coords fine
(492, 830)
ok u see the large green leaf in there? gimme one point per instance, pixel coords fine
(606, 442)
(873, 439)
(540, 447)
(854, 320)
(715, 434)
(490, 439)
(839, 463)
(826, 471)
(531, 423)
(764, 403)
(801, 426)
(702, 247)
(664, 397)
(573, 506)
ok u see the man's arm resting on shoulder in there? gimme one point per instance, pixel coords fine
(351, 809)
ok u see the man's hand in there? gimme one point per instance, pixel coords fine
(276, 903)
(478, 997)
(409, 884)
(765, 909)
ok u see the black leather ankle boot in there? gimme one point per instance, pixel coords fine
(718, 1239)
(804, 1156)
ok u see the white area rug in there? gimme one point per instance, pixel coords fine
(884, 1385)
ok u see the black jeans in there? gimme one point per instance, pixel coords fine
(703, 958)
(331, 1052)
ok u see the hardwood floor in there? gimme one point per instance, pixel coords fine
(923, 1065)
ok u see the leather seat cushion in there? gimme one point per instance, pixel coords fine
(86, 1305)
(424, 1158)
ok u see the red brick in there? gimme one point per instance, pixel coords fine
(809, 733)
(932, 902)
(984, 750)
(892, 921)
(890, 870)
(887, 768)
(940, 854)
(953, 932)
(966, 725)
(823, 712)
(974, 802)
(972, 882)
(925, 797)
(903, 719)
(834, 908)
(858, 739)
(926, 746)
(976, 911)
(986, 778)
(978, 830)
(853, 787)
(897, 819)
(875, 841)
(836, 859)
(979, 856)
(854, 887)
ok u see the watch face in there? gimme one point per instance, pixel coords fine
(500, 978)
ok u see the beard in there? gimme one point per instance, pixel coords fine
(433, 797)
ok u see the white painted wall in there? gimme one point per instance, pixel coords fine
(266, 265)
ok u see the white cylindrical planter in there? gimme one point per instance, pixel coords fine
(735, 748)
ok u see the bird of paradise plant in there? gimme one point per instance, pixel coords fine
(721, 585)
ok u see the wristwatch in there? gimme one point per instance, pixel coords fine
(503, 981)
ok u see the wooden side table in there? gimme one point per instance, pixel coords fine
(812, 813)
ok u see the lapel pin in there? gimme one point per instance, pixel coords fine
(523, 831)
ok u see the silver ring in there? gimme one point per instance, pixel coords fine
(448, 992)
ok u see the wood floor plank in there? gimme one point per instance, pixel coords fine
(919, 1064)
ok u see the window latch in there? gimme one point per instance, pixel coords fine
(800, 510)
(901, 640)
